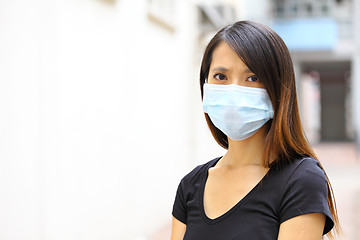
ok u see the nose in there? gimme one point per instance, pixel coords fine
(237, 81)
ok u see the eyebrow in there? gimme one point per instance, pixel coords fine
(220, 69)
(224, 69)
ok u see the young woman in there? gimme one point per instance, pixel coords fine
(269, 184)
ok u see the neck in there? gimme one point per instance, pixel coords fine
(246, 152)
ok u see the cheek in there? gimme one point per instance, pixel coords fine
(260, 85)
(255, 84)
(211, 81)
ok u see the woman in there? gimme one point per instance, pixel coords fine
(269, 184)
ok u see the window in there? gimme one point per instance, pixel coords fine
(302, 8)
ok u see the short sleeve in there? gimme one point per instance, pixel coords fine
(306, 191)
(179, 208)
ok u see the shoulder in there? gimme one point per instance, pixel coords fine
(306, 175)
(198, 171)
(187, 189)
(305, 190)
(302, 175)
(310, 164)
(306, 169)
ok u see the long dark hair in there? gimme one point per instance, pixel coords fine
(266, 55)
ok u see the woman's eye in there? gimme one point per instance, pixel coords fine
(220, 76)
(253, 79)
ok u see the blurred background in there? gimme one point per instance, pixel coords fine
(100, 108)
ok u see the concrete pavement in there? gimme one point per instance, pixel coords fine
(342, 165)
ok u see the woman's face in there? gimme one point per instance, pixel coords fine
(227, 68)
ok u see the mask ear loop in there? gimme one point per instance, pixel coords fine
(206, 82)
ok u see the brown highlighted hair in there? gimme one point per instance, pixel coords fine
(266, 55)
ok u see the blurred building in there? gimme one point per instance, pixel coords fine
(323, 37)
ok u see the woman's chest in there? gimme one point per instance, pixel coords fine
(244, 221)
(225, 188)
(253, 214)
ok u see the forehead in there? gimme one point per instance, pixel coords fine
(224, 56)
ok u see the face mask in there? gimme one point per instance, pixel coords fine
(236, 110)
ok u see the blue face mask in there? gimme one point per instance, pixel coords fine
(236, 110)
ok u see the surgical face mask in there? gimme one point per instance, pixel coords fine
(237, 111)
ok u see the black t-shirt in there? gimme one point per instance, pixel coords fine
(285, 192)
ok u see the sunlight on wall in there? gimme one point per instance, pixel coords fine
(96, 125)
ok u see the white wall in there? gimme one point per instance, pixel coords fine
(97, 122)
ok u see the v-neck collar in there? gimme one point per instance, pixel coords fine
(232, 209)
